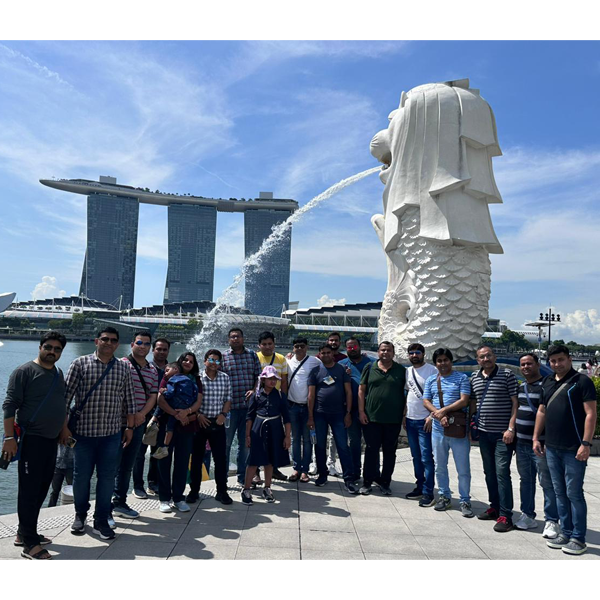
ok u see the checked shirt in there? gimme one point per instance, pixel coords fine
(109, 402)
(215, 393)
(243, 370)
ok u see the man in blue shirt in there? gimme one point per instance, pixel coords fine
(456, 390)
(354, 365)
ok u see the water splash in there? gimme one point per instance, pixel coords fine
(219, 318)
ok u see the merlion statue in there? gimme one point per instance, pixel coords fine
(436, 228)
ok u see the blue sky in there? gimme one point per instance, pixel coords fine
(230, 119)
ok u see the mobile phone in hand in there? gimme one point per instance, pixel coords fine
(4, 461)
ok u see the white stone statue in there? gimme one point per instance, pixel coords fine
(436, 228)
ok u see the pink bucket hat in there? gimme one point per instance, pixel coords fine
(269, 371)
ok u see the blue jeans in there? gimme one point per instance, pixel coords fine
(460, 451)
(127, 458)
(237, 425)
(496, 457)
(567, 479)
(355, 442)
(102, 453)
(527, 465)
(322, 422)
(180, 450)
(419, 441)
(301, 446)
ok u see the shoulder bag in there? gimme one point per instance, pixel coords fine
(457, 420)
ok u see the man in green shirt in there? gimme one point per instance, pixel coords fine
(381, 403)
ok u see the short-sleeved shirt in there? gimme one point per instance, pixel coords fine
(330, 398)
(566, 412)
(453, 386)
(414, 398)
(356, 370)
(277, 360)
(384, 398)
(496, 409)
(525, 414)
(243, 370)
(298, 384)
(150, 375)
(27, 388)
(215, 393)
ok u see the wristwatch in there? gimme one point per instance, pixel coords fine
(587, 444)
(132, 428)
(511, 429)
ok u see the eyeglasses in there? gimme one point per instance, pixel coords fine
(140, 343)
(214, 361)
(414, 352)
(351, 347)
(108, 340)
(50, 347)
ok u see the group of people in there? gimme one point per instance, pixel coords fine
(107, 412)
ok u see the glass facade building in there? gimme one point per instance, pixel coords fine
(192, 238)
(109, 264)
(268, 289)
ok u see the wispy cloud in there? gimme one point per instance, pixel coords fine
(32, 64)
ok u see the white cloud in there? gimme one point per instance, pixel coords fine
(582, 326)
(41, 69)
(325, 300)
(47, 288)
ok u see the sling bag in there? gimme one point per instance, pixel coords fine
(457, 423)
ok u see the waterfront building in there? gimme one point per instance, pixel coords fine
(267, 291)
(109, 264)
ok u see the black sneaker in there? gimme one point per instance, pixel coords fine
(103, 530)
(267, 495)
(491, 514)
(223, 498)
(416, 494)
(427, 501)
(443, 503)
(321, 480)
(503, 524)
(350, 487)
(78, 527)
(385, 489)
(365, 490)
(558, 542)
(192, 498)
(277, 474)
(247, 497)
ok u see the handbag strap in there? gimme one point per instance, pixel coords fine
(79, 410)
(560, 389)
(48, 394)
(485, 391)
(531, 406)
(297, 369)
(139, 372)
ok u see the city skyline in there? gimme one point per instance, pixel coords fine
(228, 119)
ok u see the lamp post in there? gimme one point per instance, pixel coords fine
(549, 318)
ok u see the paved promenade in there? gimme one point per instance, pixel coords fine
(310, 523)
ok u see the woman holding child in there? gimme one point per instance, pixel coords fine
(178, 445)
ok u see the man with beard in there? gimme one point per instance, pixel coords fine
(418, 423)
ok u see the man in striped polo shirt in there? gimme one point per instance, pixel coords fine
(530, 398)
(145, 385)
(495, 392)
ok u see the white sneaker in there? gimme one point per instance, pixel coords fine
(526, 522)
(312, 470)
(182, 506)
(165, 507)
(551, 530)
(111, 522)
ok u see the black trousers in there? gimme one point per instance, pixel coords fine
(36, 469)
(215, 435)
(138, 467)
(380, 436)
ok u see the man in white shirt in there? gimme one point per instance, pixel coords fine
(418, 426)
(299, 368)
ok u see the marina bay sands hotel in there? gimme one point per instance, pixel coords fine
(112, 230)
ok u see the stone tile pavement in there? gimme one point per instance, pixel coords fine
(310, 523)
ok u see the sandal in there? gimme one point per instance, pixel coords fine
(294, 476)
(42, 554)
(304, 478)
(43, 540)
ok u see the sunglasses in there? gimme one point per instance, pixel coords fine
(417, 352)
(214, 361)
(352, 347)
(108, 340)
(140, 343)
(50, 347)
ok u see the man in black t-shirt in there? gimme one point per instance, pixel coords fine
(568, 413)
